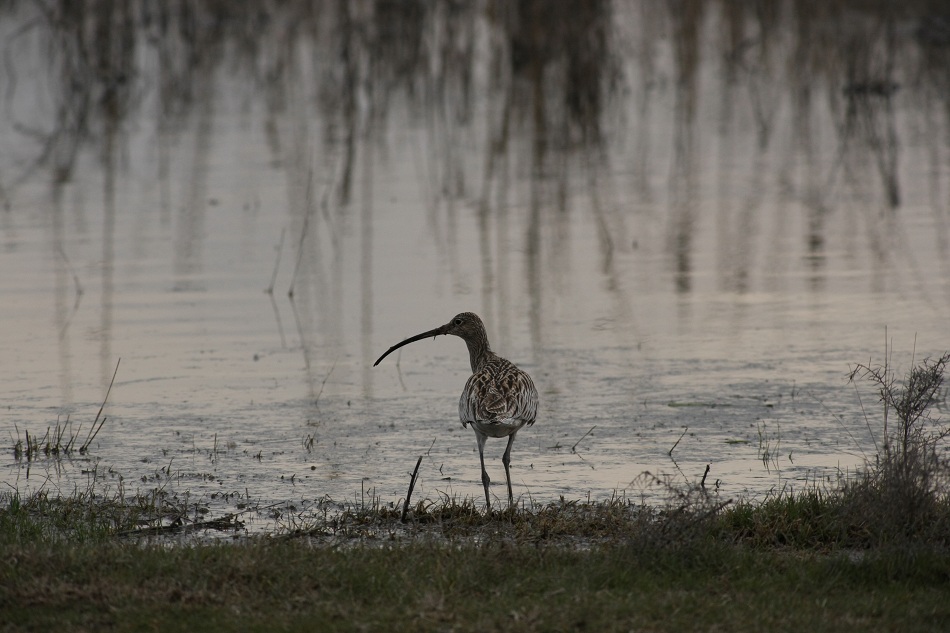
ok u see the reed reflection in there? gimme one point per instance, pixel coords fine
(515, 118)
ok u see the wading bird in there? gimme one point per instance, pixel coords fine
(498, 398)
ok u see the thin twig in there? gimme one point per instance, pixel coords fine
(582, 438)
(94, 430)
(867, 420)
(670, 453)
(72, 437)
(412, 484)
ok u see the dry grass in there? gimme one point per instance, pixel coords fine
(905, 493)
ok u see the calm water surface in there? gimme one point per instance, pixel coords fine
(686, 226)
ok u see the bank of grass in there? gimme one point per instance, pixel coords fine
(286, 584)
(791, 562)
(870, 554)
(512, 571)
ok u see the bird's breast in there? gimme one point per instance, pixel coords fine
(499, 395)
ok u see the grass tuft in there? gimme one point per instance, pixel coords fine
(61, 440)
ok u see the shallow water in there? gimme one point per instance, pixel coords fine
(695, 258)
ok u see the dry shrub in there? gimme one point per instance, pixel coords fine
(904, 495)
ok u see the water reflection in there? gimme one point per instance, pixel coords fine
(637, 197)
(479, 75)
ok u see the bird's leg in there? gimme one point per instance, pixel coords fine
(506, 459)
(481, 437)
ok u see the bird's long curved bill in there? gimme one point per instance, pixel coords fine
(412, 339)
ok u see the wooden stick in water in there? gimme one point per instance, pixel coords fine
(412, 484)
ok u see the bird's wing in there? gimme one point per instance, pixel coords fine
(503, 394)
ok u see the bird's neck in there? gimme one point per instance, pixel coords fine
(479, 353)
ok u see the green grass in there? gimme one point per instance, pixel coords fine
(782, 564)
(286, 584)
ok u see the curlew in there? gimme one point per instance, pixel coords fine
(498, 399)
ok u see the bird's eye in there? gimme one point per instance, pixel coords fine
(458, 322)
